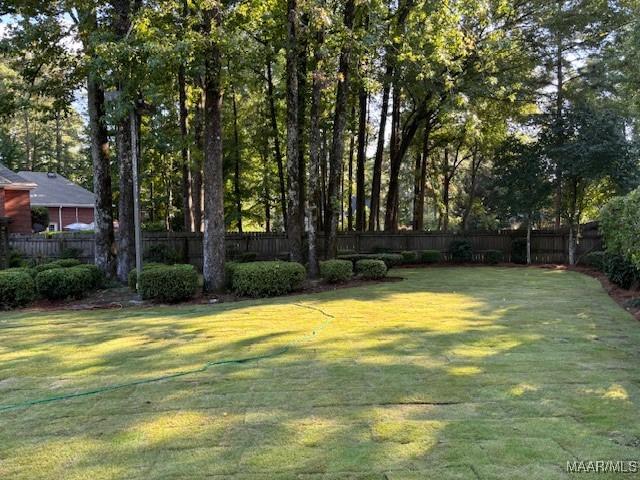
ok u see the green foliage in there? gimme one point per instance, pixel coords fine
(390, 259)
(381, 249)
(70, 252)
(493, 257)
(62, 263)
(430, 256)
(620, 271)
(39, 218)
(409, 257)
(169, 283)
(15, 259)
(335, 271)
(246, 257)
(620, 226)
(162, 253)
(17, 288)
(354, 257)
(97, 278)
(370, 269)
(519, 251)
(229, 269)
(133, 274)
(460, 251)
(62, 283)
(267, 279)
(594, 260)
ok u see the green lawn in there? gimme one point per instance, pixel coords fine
(452, 373)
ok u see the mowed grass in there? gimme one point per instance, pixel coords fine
(453, 373)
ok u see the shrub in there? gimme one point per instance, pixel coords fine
(132, 277)
(620, 271)
(353, 257)
(70, 252)
(620, 227)
(460, 251)
(519, 251)
(39, 218)
(390, 259)
(267, 279)
(334, 271)
(594, 260)
(409, 257)
(15, 259)
(61, 283)
(96, 275)
(168, 283)
(229, 268)
(17, 288)
(371, 269)
(246, 257)
(430, 256)
(492, 257)
(62, 263)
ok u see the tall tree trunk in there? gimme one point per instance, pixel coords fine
(303, 45)
(391, 212)
(315, 147)
(294, 225)
(103, 217)
(416, 190)
(529, 239)
(350, 182)
(59, 166)
(185, 152)
(376, 181)
(266, 190)
(361, 158)
(126, 233)
(337, 146)
(476, 160)
(197, 191)
(236, 154)
(559, 120)
(324, 172)
(277, 152)
(214, 225)
(419, 225)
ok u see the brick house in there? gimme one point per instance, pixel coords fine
(15, 200)
(66, 201)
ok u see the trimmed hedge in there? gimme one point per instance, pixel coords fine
(460, 251)
(390, 259)
(519, 251)
(335, 271)
(594, 260)
(162, 253)
(267, 279)
(132, 277)
(371, 269)
(96, 275)
(353, 257)
(62, 263)
(61, 283)
(620, 271)
(430, 256)
(409, 257)
(168, 283)
(17, 288)
(493, 257)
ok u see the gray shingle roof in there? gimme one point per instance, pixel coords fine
(7, 177)
(55, 190)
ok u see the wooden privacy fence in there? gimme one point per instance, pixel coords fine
(547, 246)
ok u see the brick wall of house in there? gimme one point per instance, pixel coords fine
(70, 215)
(1, 202)
(17, 207)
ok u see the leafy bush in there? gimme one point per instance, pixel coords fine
(39, 218)
(594, 260)
(519, 251)
(61, 283)
(371, 269)
(460, 251)
(168, 283)
(70, 252)
(390, 259)
(96, 275)
(409, 257)
(620, 227)
(229, 268)
(15, 259)
(133, 277)
(17, 288)
(492, 257)
(62, 263)
(334, 271)
(430, 256)
(267, 279)
(353, 257)
(620, 271)
(161, 253)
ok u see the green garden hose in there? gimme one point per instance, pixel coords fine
(206, 366)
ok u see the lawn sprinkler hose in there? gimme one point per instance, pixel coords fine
(229, 361)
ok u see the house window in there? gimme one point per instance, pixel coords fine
(52, 227)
